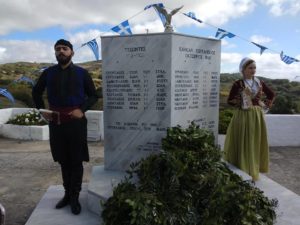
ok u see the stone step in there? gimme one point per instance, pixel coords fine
(46, 214)
(100, 187)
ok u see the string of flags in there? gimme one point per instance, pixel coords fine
(4, 92)
(124, 29)
(161, 16)
(223, 33)
(25, 79)
(287, 59)
(7, 94)
(94, 47)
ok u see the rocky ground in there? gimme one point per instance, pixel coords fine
(27, 170)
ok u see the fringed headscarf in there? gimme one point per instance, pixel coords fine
(244, 63)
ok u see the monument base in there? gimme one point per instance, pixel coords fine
(100, 187)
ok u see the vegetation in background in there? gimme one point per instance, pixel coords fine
(187, 184)
(225, 116)
(287, 93)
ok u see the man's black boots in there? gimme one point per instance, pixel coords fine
(66, 176)
(64, 201)
(76, 181)
(75, 205)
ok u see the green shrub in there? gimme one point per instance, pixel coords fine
(186, 184)
(224, 120)
(22, 92)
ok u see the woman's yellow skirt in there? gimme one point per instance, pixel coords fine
(246, 144)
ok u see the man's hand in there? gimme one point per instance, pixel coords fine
(76, 114)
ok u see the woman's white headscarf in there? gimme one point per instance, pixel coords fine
(242, 67)
(243, 63)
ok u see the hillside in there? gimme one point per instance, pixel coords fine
(12, 71)
(287, 92)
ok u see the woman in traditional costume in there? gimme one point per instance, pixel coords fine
(246, 144)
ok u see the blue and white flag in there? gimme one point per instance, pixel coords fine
(157, 4)
(287, 59)
(123, 28)
(8, 95)
(223, 33)
(94, 47)
(161, 16)
(25, 79)
(193, 16)
(262, 48)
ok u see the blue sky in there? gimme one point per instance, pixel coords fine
(28, 29)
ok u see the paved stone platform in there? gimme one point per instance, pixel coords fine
(287, 211)
(46, 214)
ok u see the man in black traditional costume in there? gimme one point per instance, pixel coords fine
(70, 92)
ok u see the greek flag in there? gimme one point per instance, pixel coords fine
(262, 48)
(161, 16)
(25, 79)
(223, 33)
(123, 28)
(8, 95)
(94, 47)
(193, 16)
(287, 59)
(157, 4)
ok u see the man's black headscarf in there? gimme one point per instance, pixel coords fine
(64, 42)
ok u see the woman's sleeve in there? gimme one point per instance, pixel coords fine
(234, 97)
(269, 94)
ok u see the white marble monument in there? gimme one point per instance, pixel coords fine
(155, 81)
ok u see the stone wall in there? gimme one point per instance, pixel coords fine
(283, 130)
(95, 126)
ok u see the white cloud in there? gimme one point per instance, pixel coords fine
(268, 65)
(30, 15)
(220, 12)
(28, 51)
(259, 39)
(283, 7)
(227, 44)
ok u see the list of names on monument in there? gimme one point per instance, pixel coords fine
(152, 82)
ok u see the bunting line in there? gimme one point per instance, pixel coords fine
(25, 79)
(287, 59)
(123, 28)
(94, 47)
(193, 16)
(262, 48)
(8, 95)
(223, 33)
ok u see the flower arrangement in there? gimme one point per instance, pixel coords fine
(32, 117)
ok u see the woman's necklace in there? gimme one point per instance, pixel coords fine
(251, 84)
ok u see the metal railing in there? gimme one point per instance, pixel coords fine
(2, 215)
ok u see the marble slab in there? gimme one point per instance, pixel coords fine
(152, 82)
